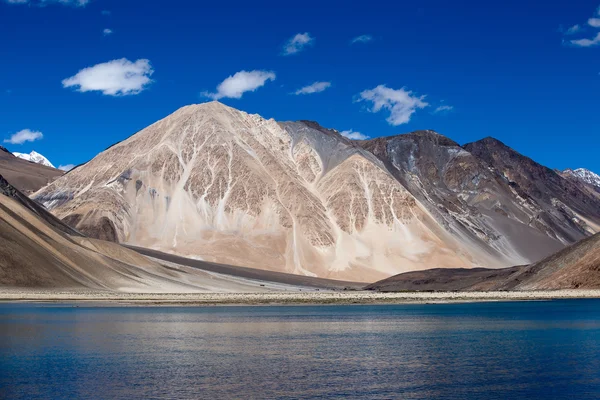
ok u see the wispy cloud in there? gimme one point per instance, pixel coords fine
(362, 39)
(66, 167)
(314, 88)
(350, 134)
(595, 41)
(25, 135)
(244, 81)
(594, 22)
(105, 12)
(401, 103)
(73, 3)
(572, 30)
(107, 32)
(298, 43)
(443, 109)
(113, 78)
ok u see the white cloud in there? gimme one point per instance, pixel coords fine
(66, 167)
(25, 135)
(595, 22)
(244, 81)
(298, 43)
(354, 135)
(401, 103)
(114, 78)
(73, 3)
(362, 39)
(572, 30)
(107, 32)
(314, 88)
(443, 109)
(587, 42)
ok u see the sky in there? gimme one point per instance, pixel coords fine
(77, 76)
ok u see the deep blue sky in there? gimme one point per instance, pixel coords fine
(505, 69)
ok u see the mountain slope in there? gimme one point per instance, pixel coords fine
(585, 179)
(213, 182)
(474, 201)
(585, 175)
(575, 267)
(35, 157)
(565, 211)
(26, 176)
(38, 251)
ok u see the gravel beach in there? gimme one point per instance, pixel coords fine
(312, 297)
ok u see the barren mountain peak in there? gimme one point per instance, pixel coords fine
(217, 183)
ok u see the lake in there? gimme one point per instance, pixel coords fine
(502, 350)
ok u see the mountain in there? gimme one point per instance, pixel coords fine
(38, 251)
(26, 176)
(575, 267)
(585, 175)
(35, 157)
(563, 209)
(474, 199)
(585, 179)
(212, 182)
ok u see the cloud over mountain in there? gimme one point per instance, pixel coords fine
(401, 103)
(24, 135)
(313, 88)
(350, 134)
(244, 81)
(66, 167)
(113, 78)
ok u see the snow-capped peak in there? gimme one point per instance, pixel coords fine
(585, 175)
(35, 157)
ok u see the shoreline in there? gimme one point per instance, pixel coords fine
(282, 298)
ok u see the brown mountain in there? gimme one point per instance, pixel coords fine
(564, 210)
(574, 267)
(26, 176)
(473, 198)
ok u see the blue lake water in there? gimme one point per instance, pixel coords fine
(507, 350)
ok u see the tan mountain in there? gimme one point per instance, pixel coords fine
(215, 183)
(38, 251)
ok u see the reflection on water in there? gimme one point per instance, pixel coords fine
(462, 351)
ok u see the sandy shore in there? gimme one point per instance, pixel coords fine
(321, 297)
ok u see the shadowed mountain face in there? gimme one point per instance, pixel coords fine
(586, 180)
(216, 183)
(564, 209)
(575, 267)
(26, 176)
(470, 197)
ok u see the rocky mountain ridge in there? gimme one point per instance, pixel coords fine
(215, 183)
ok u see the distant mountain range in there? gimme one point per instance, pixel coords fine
(35, 157)
(216, 183)
(26, 176)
